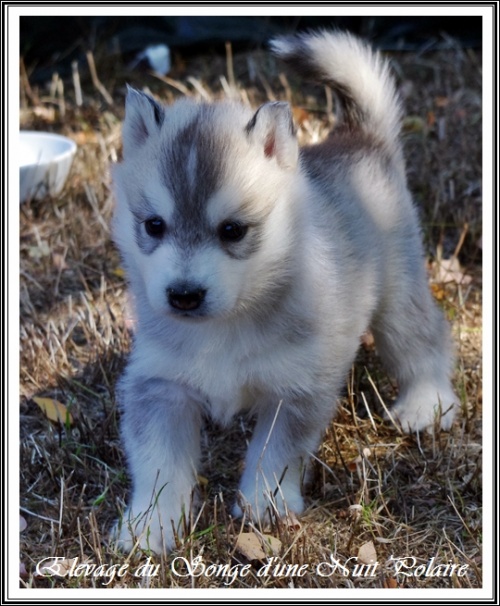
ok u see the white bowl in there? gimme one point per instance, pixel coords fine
(45, 161)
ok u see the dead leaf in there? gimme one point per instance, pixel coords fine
(355, 511)
(254, 547)
(300, 115)
(449, 270)
(59, 261)
(22, 524)
(37, 252)
(202, 480)
(119, 272)
(54, 410)
(438, 292)
(414, 124)
(272, 545)
(390, 584)
(48, 114)
(84, 137)
(291, 521)
(22, 570)
(249, 545)
(367, 553)
(441, 101)
(352, 466)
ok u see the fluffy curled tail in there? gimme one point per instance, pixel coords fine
(359, 76)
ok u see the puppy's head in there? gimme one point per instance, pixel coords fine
(205, 213)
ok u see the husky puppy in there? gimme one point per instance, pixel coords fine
(255, 267)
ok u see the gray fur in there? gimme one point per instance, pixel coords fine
(193, 149)
(331, 246)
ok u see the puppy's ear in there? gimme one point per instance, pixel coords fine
(272, 129)
(143, 118)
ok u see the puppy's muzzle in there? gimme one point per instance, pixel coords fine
(185, 297)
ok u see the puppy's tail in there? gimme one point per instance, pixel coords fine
(359, 76)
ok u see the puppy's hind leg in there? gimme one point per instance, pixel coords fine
(413, 340)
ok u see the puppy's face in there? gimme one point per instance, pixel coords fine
(203, 217)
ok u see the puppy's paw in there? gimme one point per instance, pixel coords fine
(258, 505)
(424, 407)
(142, 532)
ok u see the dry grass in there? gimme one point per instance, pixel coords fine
(411, 496)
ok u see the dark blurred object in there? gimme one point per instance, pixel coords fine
(49, 44)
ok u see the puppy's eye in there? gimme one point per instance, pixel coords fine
(232, 231)
(155, 227)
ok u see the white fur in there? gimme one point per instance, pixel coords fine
(361, 71)
(278, 322)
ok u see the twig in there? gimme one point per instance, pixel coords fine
(463, 522)
(198, 86)
(271, 429)
(225, 85)
(230, 69)
(390, 417)
(286, 86)
(61, 507)
(363, 397)
(267, 88)
(60, 95)
(95, 80)
(180, 87)
(26, 86)
(329, 102)
(35, 515)
(76, 83)
(461, 240)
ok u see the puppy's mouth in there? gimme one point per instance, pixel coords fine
(199, 315)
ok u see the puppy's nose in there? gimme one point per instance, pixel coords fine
(186, 298)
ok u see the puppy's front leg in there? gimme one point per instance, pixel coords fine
(277, 457)
(161, 436)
